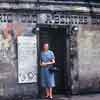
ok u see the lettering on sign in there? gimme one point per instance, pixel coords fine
(68, 19)
(45, 18)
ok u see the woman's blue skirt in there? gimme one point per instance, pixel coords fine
(47, 78)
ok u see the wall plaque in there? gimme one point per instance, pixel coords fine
(27, 59)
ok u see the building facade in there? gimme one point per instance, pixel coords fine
(72, 30)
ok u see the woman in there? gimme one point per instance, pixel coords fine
(47, 78)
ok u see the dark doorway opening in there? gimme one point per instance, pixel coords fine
(56, 37)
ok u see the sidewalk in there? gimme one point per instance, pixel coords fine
(62, 97)
(78, 97)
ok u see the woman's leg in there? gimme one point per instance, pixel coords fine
(50, 93)
(47, 92)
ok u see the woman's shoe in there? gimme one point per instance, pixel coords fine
(46, 97)
(51, 98)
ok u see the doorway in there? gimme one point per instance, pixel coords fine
(56, 37)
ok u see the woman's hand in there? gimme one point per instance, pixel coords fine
(51, 62)
(43, 64)
(47, 63)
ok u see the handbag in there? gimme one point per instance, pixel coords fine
(53, 68)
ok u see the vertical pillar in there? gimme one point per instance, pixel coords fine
(67, 63)
(38, 61)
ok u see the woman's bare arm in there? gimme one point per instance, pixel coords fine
(51, 62)
(43, 64)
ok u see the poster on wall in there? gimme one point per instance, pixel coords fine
(27, 59)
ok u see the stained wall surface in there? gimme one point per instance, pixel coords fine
(89, 55)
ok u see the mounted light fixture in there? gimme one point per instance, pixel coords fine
(37, 28)
(74, 29)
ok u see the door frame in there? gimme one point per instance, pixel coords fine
(67, 73)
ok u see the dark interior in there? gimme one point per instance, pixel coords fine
(57, 42)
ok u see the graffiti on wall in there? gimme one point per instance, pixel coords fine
(7, 52)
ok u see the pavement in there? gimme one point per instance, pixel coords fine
(62, 97)
(77, 97)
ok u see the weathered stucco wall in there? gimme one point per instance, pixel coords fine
(89, 57)
(9, 85)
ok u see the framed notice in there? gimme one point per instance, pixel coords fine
(27, 59)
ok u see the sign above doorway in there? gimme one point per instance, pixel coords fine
(49, 18)
(64, 19)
